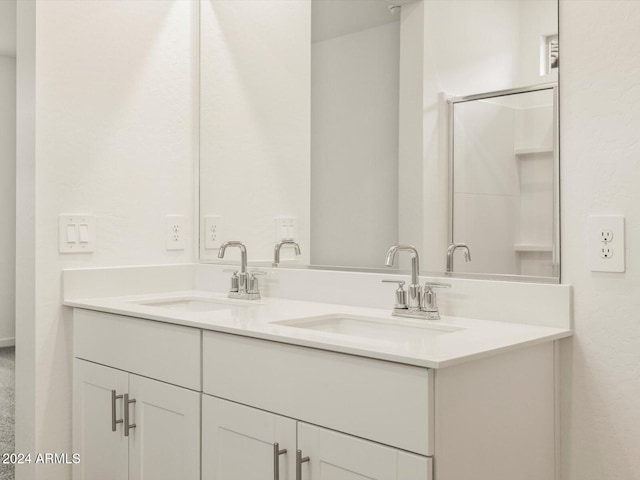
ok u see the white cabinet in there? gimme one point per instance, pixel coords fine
(381, 401)
(163, 438)
(165, 444)
(169, 353)
(239, 443)
(354, 417)
(335, 456)
(104, 453)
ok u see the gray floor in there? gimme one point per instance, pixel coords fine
(7, 407)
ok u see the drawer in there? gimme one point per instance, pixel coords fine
(170, 353)
(382, 401)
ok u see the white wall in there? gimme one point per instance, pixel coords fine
(8, 27)
(25, 387)
(7, 169)
(115, 118)
(600, 152)
(255, 143)
(7, 198)
(354, 146)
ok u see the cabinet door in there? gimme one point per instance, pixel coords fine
(335, 456)
(238, 442)
(103, 452)
(165, 442)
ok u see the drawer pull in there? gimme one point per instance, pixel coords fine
(114, 422)
(299, 461)
(127, 425)
(276, 460)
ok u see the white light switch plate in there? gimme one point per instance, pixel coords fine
(69, 229)
(286, 227)
(176, 232)
(606, 243)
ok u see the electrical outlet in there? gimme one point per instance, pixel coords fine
(212, 231)
(606, 243)
(606, 235)
(176, 232)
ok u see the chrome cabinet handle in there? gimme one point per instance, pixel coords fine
(276, 460)
(299, 461)
(127, 425)
(114, 422)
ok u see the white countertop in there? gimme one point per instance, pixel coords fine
(470, 338)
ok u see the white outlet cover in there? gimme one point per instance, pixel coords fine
(70, 222)
(212, 231)
(176, 232)
(598, 261)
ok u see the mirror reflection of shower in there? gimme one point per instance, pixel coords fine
(504, 190)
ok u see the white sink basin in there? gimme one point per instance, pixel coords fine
(371, 328)
(194, 304)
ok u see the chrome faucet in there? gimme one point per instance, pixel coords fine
(279, 245)
(415, 291)
(421, 302)
(243, 286)
(452, 249)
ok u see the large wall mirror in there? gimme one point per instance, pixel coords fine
(353, 125)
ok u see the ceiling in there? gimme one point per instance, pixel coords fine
(334, 18)
(8, 27)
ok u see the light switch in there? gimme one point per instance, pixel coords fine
(77, 233)
(286, 228)
(71, 233)
(83, 229)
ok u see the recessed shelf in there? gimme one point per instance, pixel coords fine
(528, 247)
(523, 152)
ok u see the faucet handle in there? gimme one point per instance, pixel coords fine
(252, 282)
(430, 301)
(235, 282)
(252, 285)
(401, 294)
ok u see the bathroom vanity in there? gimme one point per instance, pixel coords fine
(188, 384)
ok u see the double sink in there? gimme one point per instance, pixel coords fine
(375, 328)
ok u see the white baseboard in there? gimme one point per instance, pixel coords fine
(7, 342)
